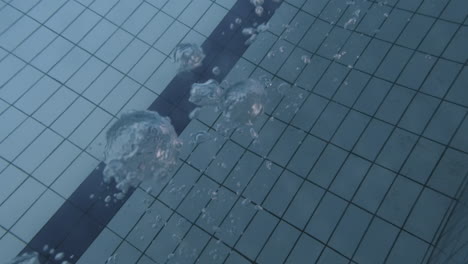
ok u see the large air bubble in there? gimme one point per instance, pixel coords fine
(189, 56)
(140, 145)
(240, 103)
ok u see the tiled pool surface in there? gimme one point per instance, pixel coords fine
(360, 161)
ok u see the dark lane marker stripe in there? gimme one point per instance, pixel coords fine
(79, 221)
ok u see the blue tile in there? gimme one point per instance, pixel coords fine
(190, 247)
(350, 230)
(262, 182)
(117, 98)
(395, 104)
(399, 201)
(331, 80)
(194, 11)
(427, 215)
(18, 33)
(8, 16)
(114, 46)
(37, 95)
(285, 147)
(13, 178)
(438, 37)
(155, 28)
(147, 65)
(216, 210)
(130, 55)
(175, 8)
(373, 139)
(455, 50)
(416, 70)
(269, 135)
(214, 253)
(327, 166)
(20, 84)
(282, 193)
(422, 160)
(282, 16)
(236, 222)
(81, 26)
(372, 56)
(455, 11)
(17, 141)
(65, 16)
(374, 187)
(197, 198)
(72, 117)
(9, 66)
(306, 248)
(460, 140)
(54, 106)
(303, 205)
(445, 122)
(19, 202)
(329, 121)
(441, 77)
(241, 174)
(372, 96)
(174, 34)
(330, 256)
(315, 36)
(56, 163)
(397, 148)
(306, 156)
(326, 217)
(33, 45)
(334, 42)
(277, 55)
(210, 19)
(45, 9)
(38, 151)
(393, 25)
(350, 177)
(51, 55)
(407, 249)
(415, 31)
(97, 36)
(103, 85)
(175, 192)
(122, 10)
(457, 93)
(373, 19)
(82, 78)
(279, 244)
(314, 7)
(300, 24)
(351, 88)
(449, 173)
(350, 130)
(24, 6)
(377, 243)
(102, 6)
(312, 72)
(294, 65)
(353, 49)
(256, 234)
(142, 15)
(418, 113)
(69, 64)
(149, 225)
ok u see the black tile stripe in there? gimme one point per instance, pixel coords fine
(79, 221)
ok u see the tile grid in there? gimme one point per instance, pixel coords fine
(336, 25)
(39, 197)
(233, 191)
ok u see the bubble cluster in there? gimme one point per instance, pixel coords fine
(140, 145)
(189, 56)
